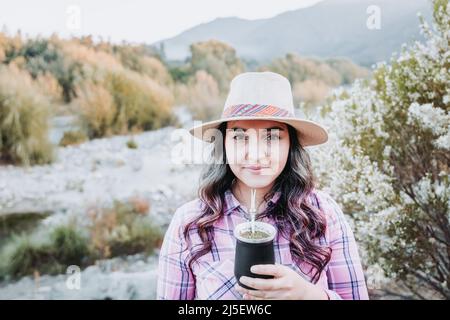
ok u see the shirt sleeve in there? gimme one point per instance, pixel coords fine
(175, 278)
(345, 273)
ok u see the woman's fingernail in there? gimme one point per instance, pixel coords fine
(254, 269)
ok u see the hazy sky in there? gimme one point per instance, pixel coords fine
(130, 20)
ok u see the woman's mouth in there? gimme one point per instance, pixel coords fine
(255, 168)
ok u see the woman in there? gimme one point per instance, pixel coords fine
(259, 144)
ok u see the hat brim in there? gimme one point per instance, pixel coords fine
(309, 132)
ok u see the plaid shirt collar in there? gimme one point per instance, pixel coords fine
(231, 203)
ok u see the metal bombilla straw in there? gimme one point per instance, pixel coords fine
(253, 209)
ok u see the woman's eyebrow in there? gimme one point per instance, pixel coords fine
(272, 128)
(244, 129)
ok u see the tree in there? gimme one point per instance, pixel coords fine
(218, 59)
(42, 56)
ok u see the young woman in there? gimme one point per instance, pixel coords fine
(259, 144)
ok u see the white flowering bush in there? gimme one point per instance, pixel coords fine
(387, 162)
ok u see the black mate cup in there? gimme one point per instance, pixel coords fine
(251, 252)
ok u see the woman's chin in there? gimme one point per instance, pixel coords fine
(257, 181)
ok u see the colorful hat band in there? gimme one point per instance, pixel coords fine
(255, 110)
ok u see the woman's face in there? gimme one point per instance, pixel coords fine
(257, 150)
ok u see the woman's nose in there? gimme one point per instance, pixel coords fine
(255, 149)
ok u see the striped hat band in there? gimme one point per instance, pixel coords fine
(255, 110)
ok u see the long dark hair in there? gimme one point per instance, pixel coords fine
(296, 218)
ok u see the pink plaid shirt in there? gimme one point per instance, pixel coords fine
(213, 276)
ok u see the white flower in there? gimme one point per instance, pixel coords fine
(430, 117)
(443, 142)
(446, 99)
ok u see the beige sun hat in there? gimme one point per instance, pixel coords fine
(262, 96)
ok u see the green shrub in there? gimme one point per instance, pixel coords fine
(123, 229)
(19, 222)
(73, 137)
(132, 144)
(181, 73)
(26, 254)
(70, 246)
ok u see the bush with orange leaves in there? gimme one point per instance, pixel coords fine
(124, 228)
(123, 102)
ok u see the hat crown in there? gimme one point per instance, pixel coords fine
(261, 88)
(262, 96)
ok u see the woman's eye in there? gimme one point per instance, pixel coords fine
(271, 137)
(239, 137)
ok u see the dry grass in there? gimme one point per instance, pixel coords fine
(202, 96)
(50, 87)
(97, 109)
(24, 116)
(310, 92)
(124, 102)
(73, 138)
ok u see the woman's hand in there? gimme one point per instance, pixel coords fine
(286, 285)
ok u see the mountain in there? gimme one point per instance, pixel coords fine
(332, 28)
